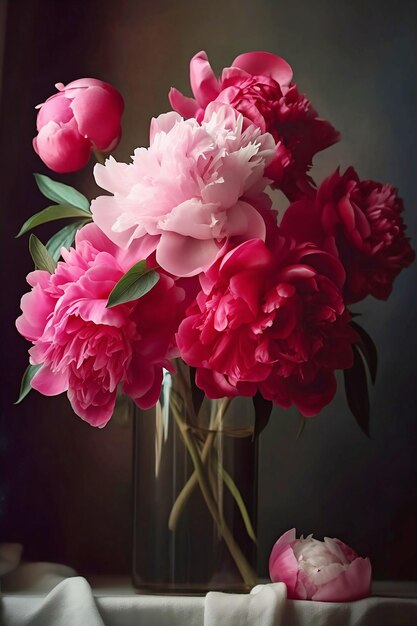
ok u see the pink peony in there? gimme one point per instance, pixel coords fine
(87, 349)
(326, 571)
(359, 221)
(270, 321)
(189, 192)
(83, 115)
(259, 85)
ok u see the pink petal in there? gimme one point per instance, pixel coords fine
(36, 306)
(265, 63)
(56, 109)
(146, 396)
(50, 383)
(244, 220)
(251, 254)
(96, 415)
(283, 566)
(106, 211)
(204, 84)
(185, 256)
(126, 258)
(115, 176)
(62, 148)
(353, 584)
(98, 114)
(191, 218)
(187, 107)
(163, 124)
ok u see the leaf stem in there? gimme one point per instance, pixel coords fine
(192, 482)
(246, 571)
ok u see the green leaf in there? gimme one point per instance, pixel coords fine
(64, 238)
(40, 255)
(133, 285)
(63, 194)
(356, 388)
(232, 487)
(25, 386)
(51, 213)
(368, 350)
(263, 410)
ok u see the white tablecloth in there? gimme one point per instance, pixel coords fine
(44, 594)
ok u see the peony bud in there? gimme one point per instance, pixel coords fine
(327, 571)
(83, 115)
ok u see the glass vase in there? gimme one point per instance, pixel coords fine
(195, 489)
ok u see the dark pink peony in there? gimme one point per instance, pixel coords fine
(259, 85)
(326, 571)
(273, 322)
(83, 115)
(89, 350)
(361, 222)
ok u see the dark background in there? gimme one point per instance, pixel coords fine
(64, 486)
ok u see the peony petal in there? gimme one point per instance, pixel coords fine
(283, 566)
(163, 124)
(56, 109)
(352, 584)
(146, 396)
(62, 148)
(139, 248)
(106, 211)
(302, 222)
(245, 222)
(50, 383)
(252, 254)
(187, 107)
(97, 415)
(265, 63)
(310, 399)
(185, 256)
(37, 305)
(114, 176)
(204, 84)
(98, 112)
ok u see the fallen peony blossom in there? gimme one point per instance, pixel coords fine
(326, 571)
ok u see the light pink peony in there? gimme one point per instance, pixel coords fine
(89, 350)
(273, 322)
(326, 571)
(259, 85)
(360, 222)
(83, 115)
(189, 192)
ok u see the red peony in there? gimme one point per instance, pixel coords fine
(258, 85)
(360, 222)
(270, 321)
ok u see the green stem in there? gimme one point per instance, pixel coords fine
(247, 573)
(192, 482)
(189, 487)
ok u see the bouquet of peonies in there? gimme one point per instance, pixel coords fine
(185, 256)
